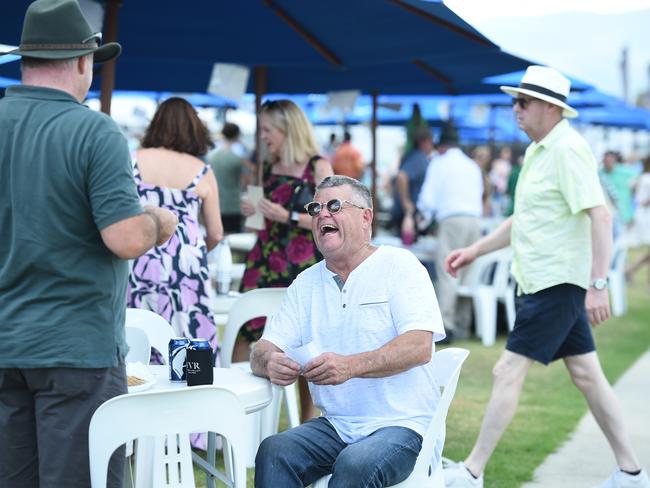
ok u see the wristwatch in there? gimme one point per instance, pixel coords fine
(294, 218)
(598, 283)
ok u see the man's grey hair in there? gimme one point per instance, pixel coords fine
(358, 188)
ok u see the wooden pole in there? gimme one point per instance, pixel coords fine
(108, 68)
(259, 74)
(373, 162)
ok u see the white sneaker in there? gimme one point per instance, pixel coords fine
(458, 476)
(621, 479)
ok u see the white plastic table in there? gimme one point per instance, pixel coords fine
(254, 392)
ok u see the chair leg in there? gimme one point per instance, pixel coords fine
(211, 457)
(486, 314)
(291, 403)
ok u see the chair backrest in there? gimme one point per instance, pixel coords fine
(157, 329)
(428, 470)
(168, 417)
(139, 346)
(263, 302)
(447, 364)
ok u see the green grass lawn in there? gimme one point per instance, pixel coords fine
(550, 406)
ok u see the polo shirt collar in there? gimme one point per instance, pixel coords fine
(39, 93)
(555, 133)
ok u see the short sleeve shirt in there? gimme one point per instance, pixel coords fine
(65, 174)
(551, 232)
(388, 294)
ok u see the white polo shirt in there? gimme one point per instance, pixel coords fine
(388, 294)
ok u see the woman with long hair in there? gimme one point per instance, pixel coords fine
(285, 246)
(173, 279)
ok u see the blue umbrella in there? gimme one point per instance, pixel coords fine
(394, 46)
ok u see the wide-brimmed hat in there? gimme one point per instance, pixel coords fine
(546, 84)
(57, 29)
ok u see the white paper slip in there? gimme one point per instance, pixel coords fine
(255, 221)
(303, 354)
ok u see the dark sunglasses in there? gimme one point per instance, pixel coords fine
(522, 102)
(333, 206)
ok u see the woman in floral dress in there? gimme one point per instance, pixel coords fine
(173, 280)
(285, 246)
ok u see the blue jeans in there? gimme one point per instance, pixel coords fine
(304, 454)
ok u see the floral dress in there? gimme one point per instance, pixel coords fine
(282, 250)
(173, 279)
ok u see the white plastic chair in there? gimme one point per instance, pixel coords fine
(168, 417)
(139, 346)
(616, 279)
(262, 302)
(156, 327)
(488, 282)
(427, 471)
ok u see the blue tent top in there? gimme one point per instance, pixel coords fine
(306, 46)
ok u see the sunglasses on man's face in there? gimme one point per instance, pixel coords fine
(333, 206)
(521, 101)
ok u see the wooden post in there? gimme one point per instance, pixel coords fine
(259, 72)
(373, 161)
(108, 68)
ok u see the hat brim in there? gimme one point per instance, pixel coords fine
(102, 54)
(513, 91)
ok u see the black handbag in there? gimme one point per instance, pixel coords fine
(302, 195)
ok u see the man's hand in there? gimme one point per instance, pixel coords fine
(328, 369)
(166, 222)
(281, 369)
(597, 305)
(459, 258)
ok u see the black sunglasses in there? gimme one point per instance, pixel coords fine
(333, 206)
(522, 102)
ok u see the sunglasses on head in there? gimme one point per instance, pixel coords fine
(333, 206)
(522, 102)
(96, 38)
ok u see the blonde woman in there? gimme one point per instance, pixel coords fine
(285, 246)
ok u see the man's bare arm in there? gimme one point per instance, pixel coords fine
(132, 237)
(406, 351)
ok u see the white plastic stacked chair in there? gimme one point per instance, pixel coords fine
(427, 472)
(139, 346)
(616, 278)
(163, 418)
(488, 282)
(262, 302)
(156, 327)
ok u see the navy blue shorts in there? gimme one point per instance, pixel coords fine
(551, 324)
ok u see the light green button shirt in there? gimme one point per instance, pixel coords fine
(551, 232)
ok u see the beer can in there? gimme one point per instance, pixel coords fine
(177, 351)
(199, 362)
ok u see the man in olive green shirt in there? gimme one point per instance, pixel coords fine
(560, 234)
(70, 218)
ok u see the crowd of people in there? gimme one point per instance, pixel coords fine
(90, 228)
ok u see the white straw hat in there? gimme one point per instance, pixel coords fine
(546, 84)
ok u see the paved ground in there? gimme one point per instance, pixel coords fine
(585, 460)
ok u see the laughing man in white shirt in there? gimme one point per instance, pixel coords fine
(372, 379)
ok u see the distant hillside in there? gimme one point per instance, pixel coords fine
(585, 45)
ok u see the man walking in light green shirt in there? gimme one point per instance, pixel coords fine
(560, 234)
